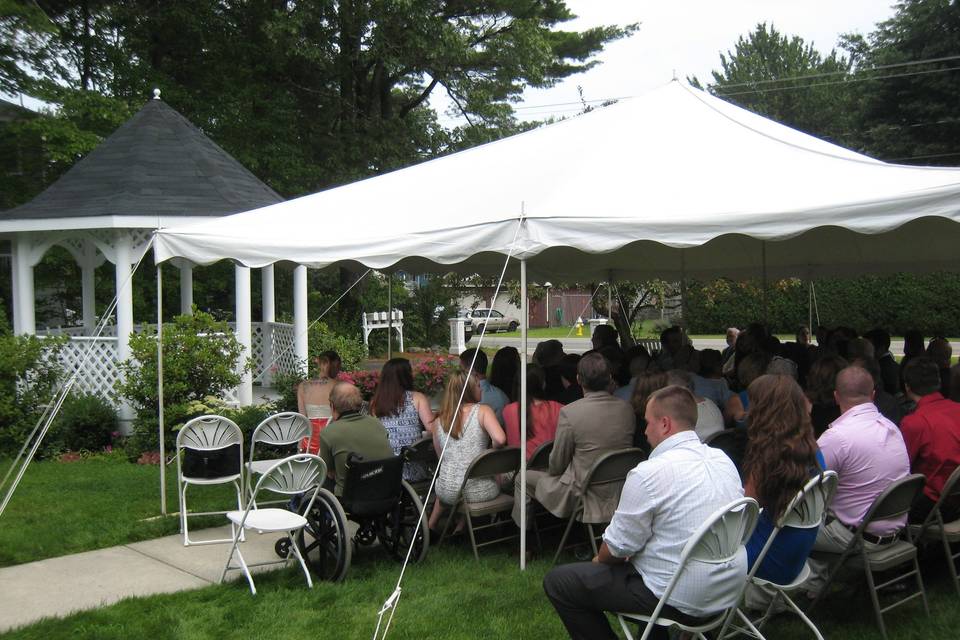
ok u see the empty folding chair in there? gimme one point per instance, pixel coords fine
(281, 430)
(806, 511)
(893, 502)
(302, 473)
(209, 452)
(720, 539)
(934, 527)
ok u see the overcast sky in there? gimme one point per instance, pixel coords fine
(686, 37)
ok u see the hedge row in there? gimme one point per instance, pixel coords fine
(927, 302)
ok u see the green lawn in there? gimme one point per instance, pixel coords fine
(449, 596)
(64, 508)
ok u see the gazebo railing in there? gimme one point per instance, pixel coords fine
(272, 353)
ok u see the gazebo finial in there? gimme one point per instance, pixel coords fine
(156, 94)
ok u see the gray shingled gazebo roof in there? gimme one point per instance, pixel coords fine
(157, 165)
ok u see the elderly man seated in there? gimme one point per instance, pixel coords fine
(664, 501)
(350, 432)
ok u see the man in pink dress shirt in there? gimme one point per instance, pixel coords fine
(868, 454)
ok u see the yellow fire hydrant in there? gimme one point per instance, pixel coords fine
(579, 326)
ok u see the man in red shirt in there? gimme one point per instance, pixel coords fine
(932, 436)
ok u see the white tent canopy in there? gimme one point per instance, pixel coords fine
(636, 181)
(671, 183)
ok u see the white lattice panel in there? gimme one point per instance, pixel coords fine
(284, 353)
(96, 361)
(259, 350)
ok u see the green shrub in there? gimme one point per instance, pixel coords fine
(199, 361)
(351, 350)
(86, 422)
(29, 374)
(286, 385)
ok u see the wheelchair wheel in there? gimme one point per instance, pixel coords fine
(325, 540)
(282, 547)
(402, 525)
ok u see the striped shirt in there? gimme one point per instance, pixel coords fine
(664, 501)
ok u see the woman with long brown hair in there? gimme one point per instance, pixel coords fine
(466, 428)
(405, 413)
(782, 455)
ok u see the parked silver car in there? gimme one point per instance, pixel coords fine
(493, 320)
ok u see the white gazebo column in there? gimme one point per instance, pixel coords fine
(89, 287)
(269, 317)
(186, 288)
(244, 337)
(123, 261)
(23, 309)
(266, 286)
(300, 315)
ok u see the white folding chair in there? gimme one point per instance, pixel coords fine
(718, 540)
(807, 510)
(209, 452)
(299, 474)
(279, 430)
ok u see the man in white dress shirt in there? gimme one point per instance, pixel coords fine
(664, 501)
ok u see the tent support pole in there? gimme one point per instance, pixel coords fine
(163, 457)
(683, 293)
(810, 303)
(610, 298)
(389, 315)
(524, 321)
(763, 263)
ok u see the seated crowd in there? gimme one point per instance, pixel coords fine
(792, 410)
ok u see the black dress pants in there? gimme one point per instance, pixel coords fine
(582, 591)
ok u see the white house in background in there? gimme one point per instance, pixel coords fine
(157, 169)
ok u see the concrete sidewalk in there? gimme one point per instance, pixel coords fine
(59, 586)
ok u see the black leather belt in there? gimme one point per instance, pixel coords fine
(869, 537)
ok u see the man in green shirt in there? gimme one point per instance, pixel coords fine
(350, 432)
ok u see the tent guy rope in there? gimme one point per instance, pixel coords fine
(60, 395)
(390, 604)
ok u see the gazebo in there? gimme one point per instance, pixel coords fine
(157, 169)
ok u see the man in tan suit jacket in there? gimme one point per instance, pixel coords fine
(587, 429)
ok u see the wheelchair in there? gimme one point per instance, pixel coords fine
(377, 504)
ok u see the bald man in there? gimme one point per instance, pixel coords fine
(350, 432)
(868, 453)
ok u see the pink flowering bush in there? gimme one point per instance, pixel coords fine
(362, 379)
(430, 375)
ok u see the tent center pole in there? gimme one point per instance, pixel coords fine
(389, 315)
(763, 292)
(163, 457)
(524, 321)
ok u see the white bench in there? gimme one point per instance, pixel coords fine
(380, 320)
